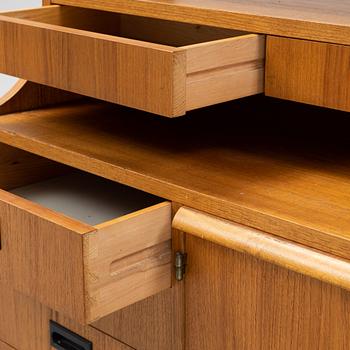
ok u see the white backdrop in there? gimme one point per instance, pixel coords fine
(6, 82)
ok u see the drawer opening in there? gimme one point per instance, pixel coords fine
(86, 198)
(127, 26)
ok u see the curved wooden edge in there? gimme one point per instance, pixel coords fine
(26, 95)
(278, 251)
(12, 92)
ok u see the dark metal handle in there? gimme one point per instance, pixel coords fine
(64, 339)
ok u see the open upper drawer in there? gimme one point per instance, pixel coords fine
(158, 66)
(83, 245)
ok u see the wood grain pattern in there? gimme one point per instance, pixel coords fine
(268, 184)
(159, 320)
(24, 322)
(19, 168)
(100, 340)
(272, 249)
(128, 260)
(224, 70)
(152, 70)
(93, 271)
(27, 95)
(24, 325)
(133, 73)
(308, 19)
(4, 346)
(34, 256)
(250, 304)
(310, 72)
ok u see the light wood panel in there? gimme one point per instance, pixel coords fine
(308, 19)
(129, 260)
(224, 70)
(238, 302)
(261, 245)
(290, 181)
(310, 72)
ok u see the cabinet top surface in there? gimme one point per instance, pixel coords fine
(321, 20)
(276, 166)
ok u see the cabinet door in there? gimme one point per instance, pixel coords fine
(235, 301)
(246, 289)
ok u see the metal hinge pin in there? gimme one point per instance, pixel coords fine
(180, 265)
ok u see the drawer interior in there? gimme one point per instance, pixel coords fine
(128, 26)
(87, 198)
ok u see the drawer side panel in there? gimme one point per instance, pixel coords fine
(128, 260)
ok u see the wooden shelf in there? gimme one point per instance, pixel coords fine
(324, 20)
(257, 161)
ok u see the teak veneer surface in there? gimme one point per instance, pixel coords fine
(258, 161)
(240, 302)
(323, 20)
(309, 72)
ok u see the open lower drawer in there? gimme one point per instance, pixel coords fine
(158, 66)
(83, 245)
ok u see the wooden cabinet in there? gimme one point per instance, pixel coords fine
(256, 191)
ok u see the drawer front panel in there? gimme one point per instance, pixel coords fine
(309, 72)
(24, 325)
(41, 255)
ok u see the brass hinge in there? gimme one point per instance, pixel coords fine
(180, 265)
